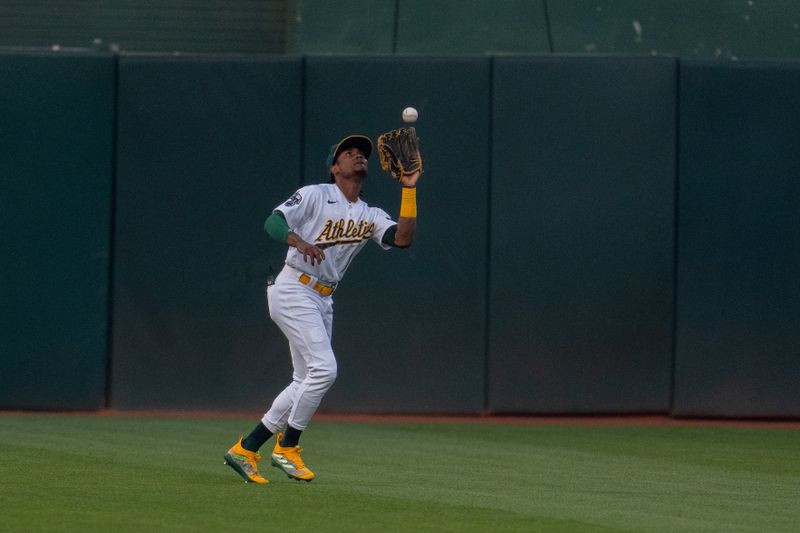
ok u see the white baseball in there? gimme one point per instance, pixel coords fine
(410, 114)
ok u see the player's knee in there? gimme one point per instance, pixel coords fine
(324, 375)
(328, 375)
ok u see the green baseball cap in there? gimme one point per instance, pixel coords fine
(361, 142)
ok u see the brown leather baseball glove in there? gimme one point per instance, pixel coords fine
(399, 152)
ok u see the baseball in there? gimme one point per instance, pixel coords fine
(410, 114)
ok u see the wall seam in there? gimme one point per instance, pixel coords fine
(547, 26)
(396, 25)
(488, 250)
(303, 105)
(675, 235)
(112, 228)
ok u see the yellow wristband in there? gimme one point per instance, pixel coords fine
(408, 203)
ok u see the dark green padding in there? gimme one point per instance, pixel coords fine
(55, 211)
(582, 216)
(738, 306)
(207, 147)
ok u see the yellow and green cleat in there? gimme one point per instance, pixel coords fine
(288, 460)
(245, 463)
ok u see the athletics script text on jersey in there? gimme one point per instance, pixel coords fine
(341, 232)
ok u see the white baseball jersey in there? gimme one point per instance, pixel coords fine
(320, 214)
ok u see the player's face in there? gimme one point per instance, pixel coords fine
(352, 161)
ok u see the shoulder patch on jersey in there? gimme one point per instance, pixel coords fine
(294, 200)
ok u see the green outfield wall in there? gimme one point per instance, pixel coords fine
(205, 148)
(581, 234)
(56, 171)
(738, 305)
(596, 234)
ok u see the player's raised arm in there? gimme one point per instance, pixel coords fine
(400, 155)
(407, 221)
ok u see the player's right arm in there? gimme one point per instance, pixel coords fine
(407, 221)
(277, 228)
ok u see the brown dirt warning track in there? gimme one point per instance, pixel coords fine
(588, 420)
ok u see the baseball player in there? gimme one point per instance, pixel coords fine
(325, 226)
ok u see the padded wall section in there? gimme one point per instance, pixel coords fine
(207, 147)
(471, 27)
(341, 26)
(728, 29)
(738, 308)
(582, 214)
(56, 124)
(409, 324)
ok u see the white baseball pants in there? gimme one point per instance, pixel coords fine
(306, 318)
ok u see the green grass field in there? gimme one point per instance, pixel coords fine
(76, 473)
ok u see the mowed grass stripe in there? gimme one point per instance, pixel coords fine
(585, 476)
(91, 474)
